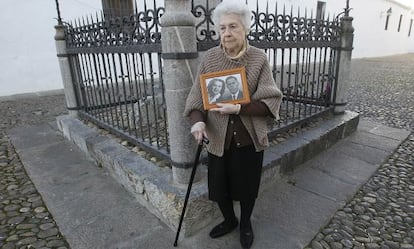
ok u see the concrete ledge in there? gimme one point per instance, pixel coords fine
(153, 186)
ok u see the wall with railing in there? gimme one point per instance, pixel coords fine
(117, 69)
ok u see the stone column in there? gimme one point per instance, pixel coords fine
(67, 78)
(179, 51)
(344, 63)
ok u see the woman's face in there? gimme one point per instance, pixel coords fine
(216, 87)
(232, 33)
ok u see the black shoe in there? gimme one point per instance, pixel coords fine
(246, 237)
(223, 228)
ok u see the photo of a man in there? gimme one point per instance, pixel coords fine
(234, 91)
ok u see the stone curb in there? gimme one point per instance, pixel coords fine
(153, 187)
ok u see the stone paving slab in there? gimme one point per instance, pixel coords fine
(379, 136)
(93, 211)
(44, 135)
(383, 131)
(315, 181)
(343, 167)
(365, 153)
(297, 213)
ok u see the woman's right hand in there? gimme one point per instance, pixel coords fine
(199, 131)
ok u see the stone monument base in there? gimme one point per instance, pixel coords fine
(153, 186)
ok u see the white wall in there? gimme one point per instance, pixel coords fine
(371, 39)
(28, 56)
(28, 59)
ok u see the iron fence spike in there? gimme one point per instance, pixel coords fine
(276, 8)
(58, 12)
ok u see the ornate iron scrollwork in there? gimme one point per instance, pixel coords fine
(272, 29)
(141, 28)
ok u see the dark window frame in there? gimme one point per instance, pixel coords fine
(117, 8)
(399, 23)
(386, 22)
(320, 10)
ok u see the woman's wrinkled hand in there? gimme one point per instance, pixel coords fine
(199, 131)
(226, 108)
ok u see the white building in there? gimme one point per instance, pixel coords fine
(28, 55)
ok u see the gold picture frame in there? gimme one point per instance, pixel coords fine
(227, 86)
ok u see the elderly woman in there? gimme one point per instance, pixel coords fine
(237, 133)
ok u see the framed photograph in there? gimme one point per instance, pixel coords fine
(228, 86)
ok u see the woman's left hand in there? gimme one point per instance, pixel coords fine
(226, 108)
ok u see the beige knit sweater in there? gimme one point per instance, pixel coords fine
(261, 87)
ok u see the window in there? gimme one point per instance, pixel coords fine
(386, 22)
(320, 10)
(399, 23)
(116, 8)
(389, 12)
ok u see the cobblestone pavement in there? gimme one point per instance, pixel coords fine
(380, 215)
(24, 219)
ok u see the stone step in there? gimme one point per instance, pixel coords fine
(284, 157)
(153, 187)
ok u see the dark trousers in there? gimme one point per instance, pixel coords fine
(236, 175)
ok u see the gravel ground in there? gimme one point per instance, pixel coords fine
(380, 215)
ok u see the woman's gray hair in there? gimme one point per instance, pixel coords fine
(233, 7)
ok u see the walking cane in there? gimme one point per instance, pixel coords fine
(197, 157)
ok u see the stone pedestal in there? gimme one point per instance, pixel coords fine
(344, 64)
(68, 86)
(153, 187)
(179, 51)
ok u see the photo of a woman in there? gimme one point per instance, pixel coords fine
(215, 89)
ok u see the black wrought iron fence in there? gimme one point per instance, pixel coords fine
(302, 50)
(117, 68)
